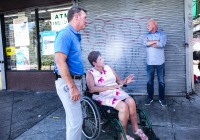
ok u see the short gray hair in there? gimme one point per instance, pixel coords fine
(73, 10)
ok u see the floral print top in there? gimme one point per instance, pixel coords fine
(107, 78)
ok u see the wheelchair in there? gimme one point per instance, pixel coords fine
(98, 118)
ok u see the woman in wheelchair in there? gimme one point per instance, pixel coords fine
(103, 79)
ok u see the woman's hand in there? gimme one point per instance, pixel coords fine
(114, 87)
(129, 79)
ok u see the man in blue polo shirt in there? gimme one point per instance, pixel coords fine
(69, 70)
(155, 41)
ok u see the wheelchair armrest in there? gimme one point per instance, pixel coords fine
(87, 93)
(96, 93)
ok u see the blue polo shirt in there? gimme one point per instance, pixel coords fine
(68, 42)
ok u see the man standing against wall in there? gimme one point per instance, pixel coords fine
(69, 70)
(155, 42)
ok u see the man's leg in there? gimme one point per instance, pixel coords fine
(161, 73)
(72, 110)
(150, 83)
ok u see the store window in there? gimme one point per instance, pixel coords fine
(51, 20)
(21, 42)
(21, 49)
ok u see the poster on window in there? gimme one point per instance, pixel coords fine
(48, 38)
(10, 50)
(22, 58)
(21, 31)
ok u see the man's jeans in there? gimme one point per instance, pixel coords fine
(72, 109)
(160, 69)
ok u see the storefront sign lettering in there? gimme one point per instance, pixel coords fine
(60, 16)
(58, 20)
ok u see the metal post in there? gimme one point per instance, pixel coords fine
(188, 46)
(38, 39)
(2, 64)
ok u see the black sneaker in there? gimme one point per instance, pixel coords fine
(148, 101)
(163, 102)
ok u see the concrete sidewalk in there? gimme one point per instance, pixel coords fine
(20, 111)
(40, 115)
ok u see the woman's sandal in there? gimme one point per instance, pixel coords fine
(129, 137)
(141, 134)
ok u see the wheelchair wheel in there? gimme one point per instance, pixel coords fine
(91, 127)
(146, 125)
(150, 133)
(118, 129)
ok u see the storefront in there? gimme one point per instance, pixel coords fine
(115, 28)
(28, 33)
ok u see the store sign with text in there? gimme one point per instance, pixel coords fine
(10, 50)
(58, 20)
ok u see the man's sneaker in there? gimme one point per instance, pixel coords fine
(163, 102)
(148, 101)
